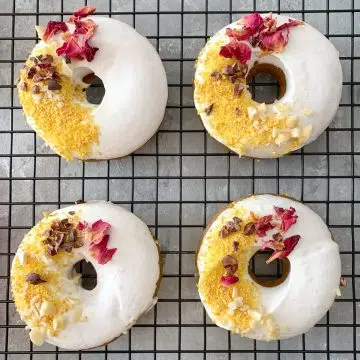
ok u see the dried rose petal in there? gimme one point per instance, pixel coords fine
(84, 11)
(252, 21)
(100, 251)
(80, 202)
(289, 245)
(81, 226)
(98, 231)
(274, 41)
(53, 27)
(227, 280)
(236, 49)
(263, 225)
(287, 217)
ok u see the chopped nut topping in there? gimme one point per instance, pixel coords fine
(35, 89)
(230, 227)
(34, 279)
(230, 264)
(236, 245)
(38, 77)
(30, 72)
(209, 109)
(237, 111)
(216, 75)
(249, 228)
(71, 212)
(80, 202)
(23, 86)
(53, 85)
(62, 235)
(238, 89)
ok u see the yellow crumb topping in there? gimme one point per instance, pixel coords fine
(219, 297)
(229, 118)
(43, 305)
(62, 120)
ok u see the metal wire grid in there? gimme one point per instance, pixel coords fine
(156, 183)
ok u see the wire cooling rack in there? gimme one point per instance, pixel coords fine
(176, 182)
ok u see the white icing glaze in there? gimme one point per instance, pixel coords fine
(313, 74)
(306, 295)
(135, 88)
(126, 285)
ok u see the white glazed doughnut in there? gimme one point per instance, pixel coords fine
(61, 312)
(307, 68)
(135, 91)
(232, 298)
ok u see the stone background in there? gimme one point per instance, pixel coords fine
(177, 181)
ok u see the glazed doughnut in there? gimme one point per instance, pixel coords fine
(232, 295)
(59, 69)
(304, 62)
(46, 289)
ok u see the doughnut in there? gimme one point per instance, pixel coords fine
(47, 290)
(62, 65)
(306, 66)
(235, 299)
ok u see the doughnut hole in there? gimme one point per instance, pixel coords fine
(268, 275)
(96, 91)
(88, 274)
(266, 82)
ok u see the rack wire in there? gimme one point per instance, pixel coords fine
(178, 180)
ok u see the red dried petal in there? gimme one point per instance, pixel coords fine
(98, 231)
(53, 27)
(289, 24)
(287, 217)
(227, 280)
(263, 225)
(84, 11)
(99, 240)
(272, 244)
(274, 41)
(240, 35)
(253, 21)
(81, 226)
(100, 251)
(72, 50)
(236, 49)
(289, 244)
(86, 28)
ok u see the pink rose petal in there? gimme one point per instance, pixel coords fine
(236, 49)
(53, 27)
(227, 280)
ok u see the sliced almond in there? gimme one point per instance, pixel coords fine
(292, 121)
(235, 292)
(37, 336)
(255, 315)
(58, 323)
(275, 132)
(307, 112)
(295, 133)
(252, 112)
(306, 131)
(281, 138)
(47, 308)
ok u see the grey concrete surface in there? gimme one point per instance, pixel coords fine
(197, 176)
